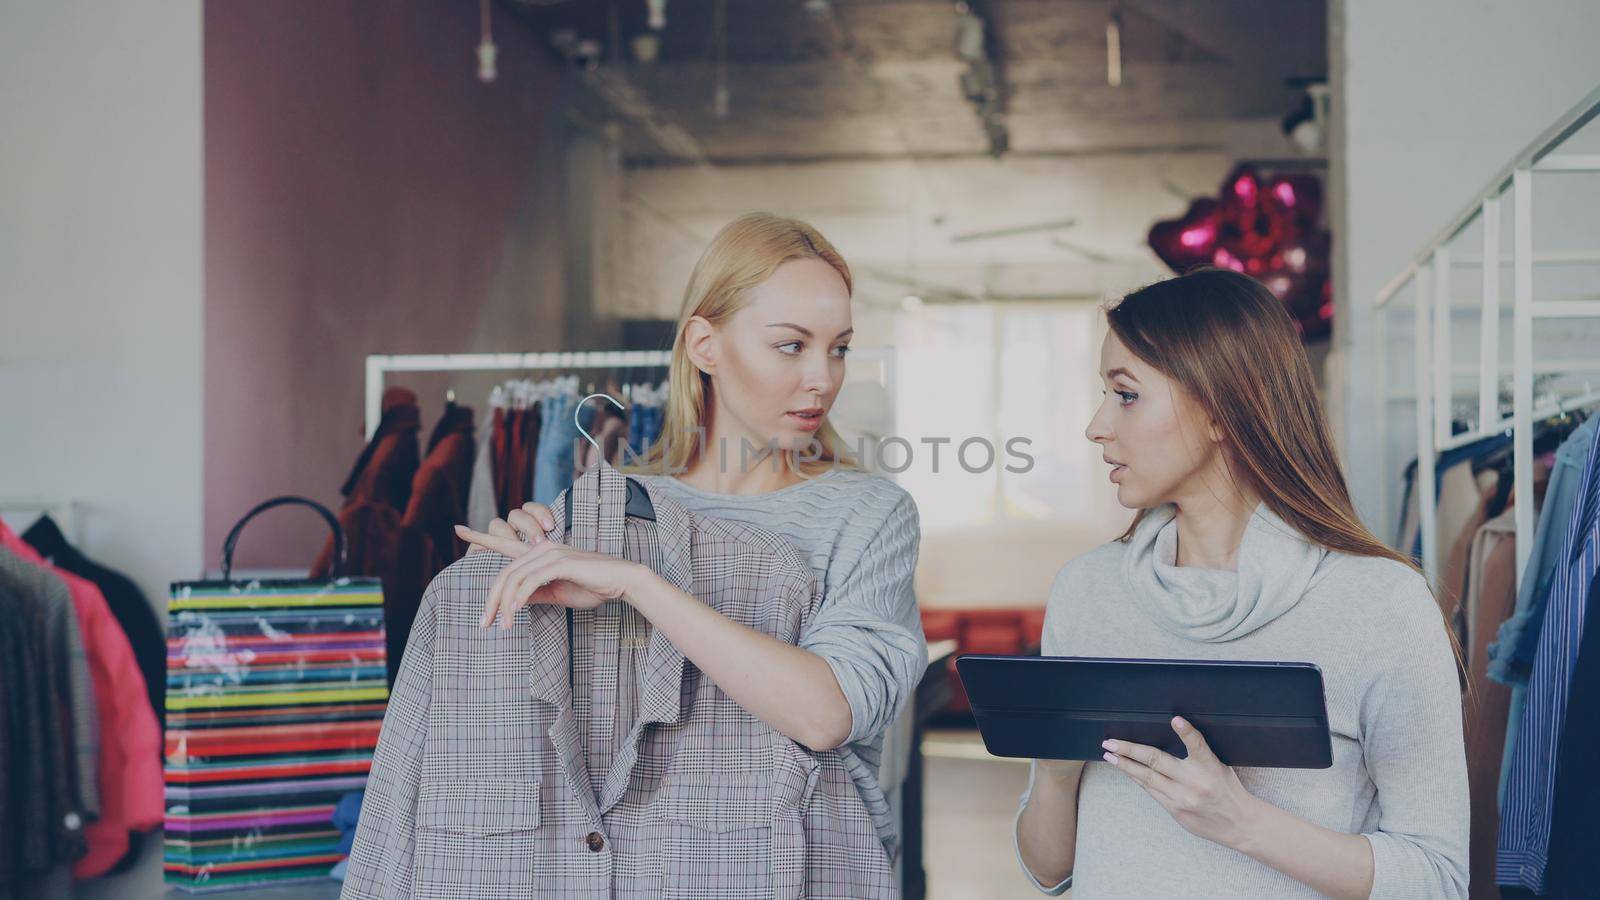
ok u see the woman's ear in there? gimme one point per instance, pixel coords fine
(699, 345)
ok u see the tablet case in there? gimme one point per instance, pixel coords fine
(1262, 714)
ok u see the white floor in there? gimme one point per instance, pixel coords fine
(971, 801)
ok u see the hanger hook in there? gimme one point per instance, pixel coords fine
(579, 408)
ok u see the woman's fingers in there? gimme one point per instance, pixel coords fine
(520, 592)
(1158, 785)
(508, 601)
(507, 546)
(542, 514)
(502, 579)
(534, 584)
(527, 526)
(497, 528)
(1199, 750)
(1141, 760)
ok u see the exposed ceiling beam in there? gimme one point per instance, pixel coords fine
(984, 81)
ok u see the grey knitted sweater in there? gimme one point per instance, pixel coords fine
(859, 532)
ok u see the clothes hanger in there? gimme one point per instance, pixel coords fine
(639, 505)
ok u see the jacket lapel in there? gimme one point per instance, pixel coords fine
(550, 682)
(661, 695)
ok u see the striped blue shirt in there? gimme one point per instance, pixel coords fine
(1524, 843)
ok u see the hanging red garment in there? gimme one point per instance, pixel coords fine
(377, 491)
(129, 776)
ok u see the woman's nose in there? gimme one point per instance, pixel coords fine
(817, 378)
(1097, 430)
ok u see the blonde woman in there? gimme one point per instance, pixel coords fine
(758, 360)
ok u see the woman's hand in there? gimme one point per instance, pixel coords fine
(1201, 793)
(526, 524)
(550, 572)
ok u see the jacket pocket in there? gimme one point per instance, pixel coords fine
(476, 835)
(716, 835)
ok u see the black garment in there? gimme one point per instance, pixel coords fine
(458, 436)
(128, 604)
(1574, 831)
(11, 703)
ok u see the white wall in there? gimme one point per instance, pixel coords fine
(1431, 99)
(100, 274)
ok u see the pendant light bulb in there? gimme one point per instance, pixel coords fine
(658, 14)
(1114, 50)
(487, 52)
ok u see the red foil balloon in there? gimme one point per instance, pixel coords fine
(1267, 229)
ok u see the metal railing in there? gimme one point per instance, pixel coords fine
(1430, 273)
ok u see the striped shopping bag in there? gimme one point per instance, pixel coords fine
(276, 691)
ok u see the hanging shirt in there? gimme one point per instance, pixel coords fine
(1530, 786)
(128, 761)
(57, 720)
(485, 782)
(1573, 832)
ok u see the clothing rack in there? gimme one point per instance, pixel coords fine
(378, 366)
(1429, 274)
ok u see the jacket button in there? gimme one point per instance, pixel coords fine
(595, 841)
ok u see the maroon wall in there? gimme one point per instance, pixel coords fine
(364, 193)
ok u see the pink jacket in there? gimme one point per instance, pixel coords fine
(131, 796)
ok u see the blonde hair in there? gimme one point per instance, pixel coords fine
(744, 254)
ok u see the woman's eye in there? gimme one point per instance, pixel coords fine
(790, 348)
(841, 351)
(1127, 397)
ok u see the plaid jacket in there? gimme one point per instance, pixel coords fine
(481, 785)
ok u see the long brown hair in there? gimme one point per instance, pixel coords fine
(1231, 345)
(742, 255)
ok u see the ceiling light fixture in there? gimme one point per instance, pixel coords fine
(721, 96)
(1306, 126)
(487, 52)
(1114, 49)
(658, 14)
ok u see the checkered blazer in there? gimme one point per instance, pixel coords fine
(481, 787)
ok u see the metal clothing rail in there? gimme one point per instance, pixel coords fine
(380, 365)
(1430, 273)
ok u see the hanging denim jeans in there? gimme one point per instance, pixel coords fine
(555, 460)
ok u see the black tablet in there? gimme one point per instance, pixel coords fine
(1269, 714)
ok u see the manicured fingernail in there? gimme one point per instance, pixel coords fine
(1111, 758)
(1179, 724)
(1109, 745)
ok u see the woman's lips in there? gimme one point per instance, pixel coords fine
(809, 419)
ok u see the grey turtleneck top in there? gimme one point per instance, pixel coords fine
(1399, 774)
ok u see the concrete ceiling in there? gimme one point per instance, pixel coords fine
(873, 79)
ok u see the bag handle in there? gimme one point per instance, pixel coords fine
(341, 547)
